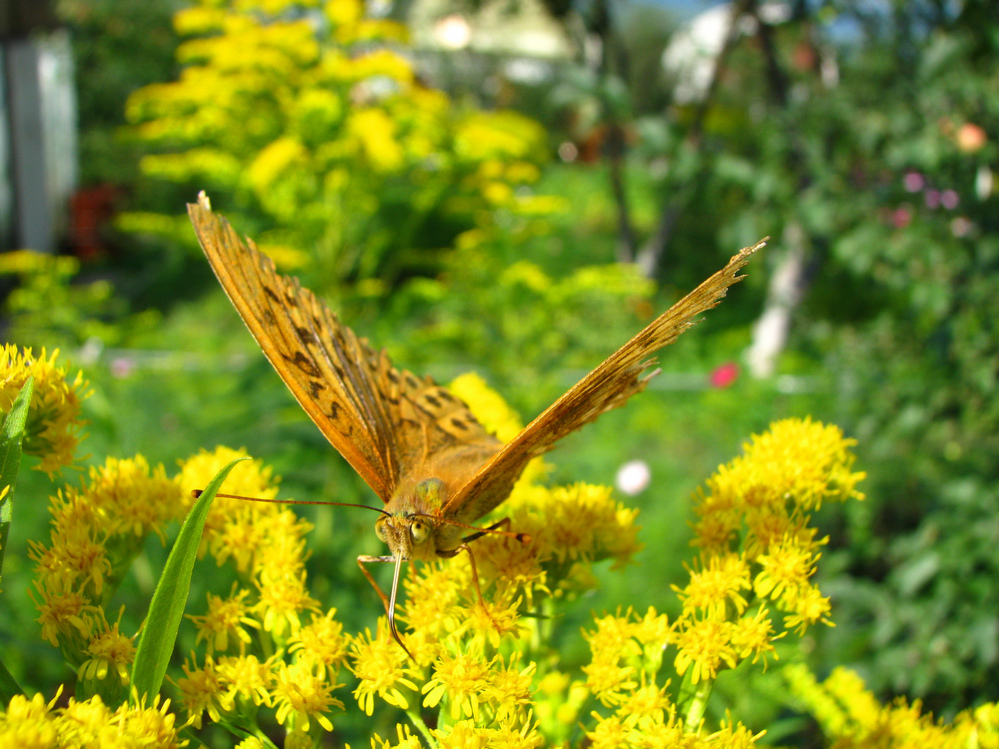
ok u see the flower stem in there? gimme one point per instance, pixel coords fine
(414, 716)
(698, 703)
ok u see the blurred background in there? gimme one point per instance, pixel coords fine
(516, 187)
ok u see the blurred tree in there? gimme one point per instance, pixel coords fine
(119, 46)
(864, 140)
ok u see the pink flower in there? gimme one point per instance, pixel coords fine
(724, 375)
(913, 181)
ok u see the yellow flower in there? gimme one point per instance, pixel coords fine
(97, 530)
(302, 692)
(54, 424)
(609, 733)
(851, 717)
(645, 705)
(74, 556)
(489, 408)
(110, 653)
(786, 570)
(282, 599)
(123, 498)
(810, 607)
(382, 669)
(733, 736)
(251, 743)
(65, 616)
(652, 630)
(273, 162)
(82, 723)
(464, 680)
(151, 726)
(846, 687)
(226, 617)
(204, 690)
(705, 644)
(405, 739)
(513, 692)
(490, 620)
(581, 522)
(247, 677)
(612, 642)
(432, 609)
(29, 723)
(715, 585)
(249, 479)
(512, 566)
(375, 134)
(323, 640)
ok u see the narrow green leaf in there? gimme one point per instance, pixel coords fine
(11, 436)
(8, 686)
(170, 597)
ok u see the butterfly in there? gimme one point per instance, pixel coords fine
(418, 447)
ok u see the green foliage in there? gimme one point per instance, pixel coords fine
(313, 121)
(525, 324)
(915, 227)
(51, 308)
(878, 147)
(158, 638)
(118, 46)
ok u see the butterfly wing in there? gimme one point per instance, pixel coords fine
(384, 422)
(606, 387)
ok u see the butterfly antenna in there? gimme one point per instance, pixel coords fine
(198, 492)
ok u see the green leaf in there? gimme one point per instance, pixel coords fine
(9, 688)
(163, 621)
(11, 436)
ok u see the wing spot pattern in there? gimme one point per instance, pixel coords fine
(303, 362)
(306, 335)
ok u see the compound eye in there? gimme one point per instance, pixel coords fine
(419, 531)
(380, 530)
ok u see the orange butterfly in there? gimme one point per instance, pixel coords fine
(416, 445)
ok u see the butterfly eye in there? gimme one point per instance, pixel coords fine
(380, 530)
(419, 531)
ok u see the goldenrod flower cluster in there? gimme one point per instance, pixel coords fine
(54, 422)
(313, 110)
(851, 717)
(35, 724)
(485, 670)
(97, 531)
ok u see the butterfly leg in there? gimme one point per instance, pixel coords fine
(387, 601)
(464, 546)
